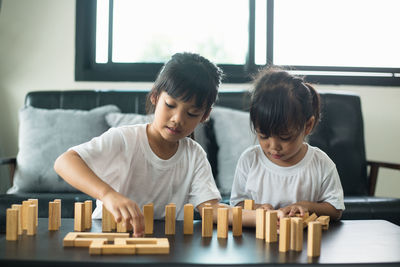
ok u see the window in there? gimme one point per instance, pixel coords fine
(332, 41)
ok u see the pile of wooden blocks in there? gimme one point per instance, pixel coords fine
(22, 218)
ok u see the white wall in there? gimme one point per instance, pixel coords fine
(37, 52)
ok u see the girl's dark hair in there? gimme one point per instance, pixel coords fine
(281, 102)
(188, 75)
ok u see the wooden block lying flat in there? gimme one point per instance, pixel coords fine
(314, 239)
(324, 220)
(72, 239)
(222, 223)
(19, 208)
(311, 218)
(79, 218)
(284, 235)
(148, 212)
(32, 211)
(207, 222)
(88, 214)
(271, 227)
(296, 234)
(12, 224)
(260, 223)
(35, 202)
(249, 204)
(170, 211)
(237, 221)
(188, 214)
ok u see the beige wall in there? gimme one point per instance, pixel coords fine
(37, 53)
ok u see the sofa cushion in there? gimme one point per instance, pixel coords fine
(116, 119)
(44, 135)
(233, 135)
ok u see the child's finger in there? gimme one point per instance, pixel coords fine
(126, 216)
(117, 215)
(137, 221)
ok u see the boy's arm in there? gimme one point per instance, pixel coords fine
(75, 171)
(320, 208)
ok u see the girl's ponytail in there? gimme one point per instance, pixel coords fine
(316, 103)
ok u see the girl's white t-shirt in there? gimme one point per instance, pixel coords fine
(314, 178)
(122, 158)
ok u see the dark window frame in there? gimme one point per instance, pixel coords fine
(86, 69)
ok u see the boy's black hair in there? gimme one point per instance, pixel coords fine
(281, 103)
(188, 75)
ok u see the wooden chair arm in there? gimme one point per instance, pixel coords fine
(12, 162)
(373, 173)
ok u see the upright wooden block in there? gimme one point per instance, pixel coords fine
(249, 204)
(148, 212)
(35, 202)
(188, 214)
(19, 208)
(207, 222)
(12, 224)
(284, 235)
(314, 239)
(25, 206)
(88, 214)
(271, 222)
(106, 224)
(79, 220)
(32, 211)
(170, 211)
(53, 216)
(237, 221)
(260, 223)
(58, 208)
(222, 223)
(122, 227)
(296, 234)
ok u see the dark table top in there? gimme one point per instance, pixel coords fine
(345, 242)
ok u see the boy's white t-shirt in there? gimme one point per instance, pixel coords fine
(314, 178)
(122, 158)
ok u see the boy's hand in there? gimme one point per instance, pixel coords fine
(264, 206)
(126, 210)
(292, 210)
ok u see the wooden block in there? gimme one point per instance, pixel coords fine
(25, 206)
(12, 224)
(88, 214)
(310, 218)
(58, 207)
(35, 202)
(122, 227)
(324, 220)
(53, 216)
(222, 223)
(106, 224)
(314, 239)
(32, 211)
(284, 235)
(207, 222)
(188, 214)
(296, 234)
(19, 208)
(148, 212)
(249, 204)
(149, 245)
(77, 239)
(260, 223)
(79, 218)
(170, 218)
(95, 247)
(237, 221)
(271, 222)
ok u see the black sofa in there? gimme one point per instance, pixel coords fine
(340, 134)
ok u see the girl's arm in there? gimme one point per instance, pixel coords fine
(320, 208)
(74, 171)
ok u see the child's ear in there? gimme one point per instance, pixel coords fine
(153, 99)
(206, 115)
(309, 125)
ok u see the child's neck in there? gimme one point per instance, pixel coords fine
(162, 148)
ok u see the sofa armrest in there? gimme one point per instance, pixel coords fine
(373, 173)
(12, 163)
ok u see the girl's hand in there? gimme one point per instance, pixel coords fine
(292, 210)
(124, 209)
(265, 206)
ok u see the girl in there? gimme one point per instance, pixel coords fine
(130, 166)
(283, 172)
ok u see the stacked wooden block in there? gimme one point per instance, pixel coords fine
(21, 218)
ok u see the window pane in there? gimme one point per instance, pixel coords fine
(153, 30)
(261, 33)
(348, 33)
(102, 31)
